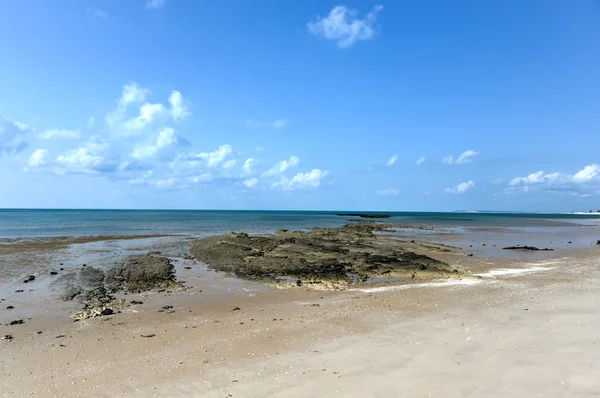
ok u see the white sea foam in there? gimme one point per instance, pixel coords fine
(439, 283)
(511, 271)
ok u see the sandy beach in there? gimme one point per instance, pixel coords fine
(518, 326)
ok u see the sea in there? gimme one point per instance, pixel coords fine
(34, 223)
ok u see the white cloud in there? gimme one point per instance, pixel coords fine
(185, 164)
(248, 166)
(282, 166)
(179, 106)
(149, 113)
(465, 157)
(87, 158)
(276, 124)
(38, 158)
(155, 4)
(206, 177)
(99, 13)
(421, 160)
(217, 157)
(387, 192)
(12, 136)
(279, 123)
(392, 160)
(164, 184)
(91, 122)
(166, 138)
(342, 26)
(59, 133)
(308, 180)
(253, 124)
(539, 178)
(250, 182)
(132, 94)
(587, 174)
(461, 188)
(229, 163)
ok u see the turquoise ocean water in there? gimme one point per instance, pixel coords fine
(16, 223)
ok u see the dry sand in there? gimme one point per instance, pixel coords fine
(527, 329)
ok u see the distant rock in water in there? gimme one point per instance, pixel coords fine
(529, 248)
(363, 215)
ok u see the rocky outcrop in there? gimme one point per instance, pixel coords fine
(323, 258)
(142, 273)
(95, 288)
(525, 248)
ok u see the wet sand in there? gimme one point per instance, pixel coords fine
(526, 327)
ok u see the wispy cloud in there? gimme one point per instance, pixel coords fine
(99, 13)
(58, 134)
(276, 124)
(463, 158)
(461, 188)
(250, 182)
(155, 4)
(387, 192)
(392, 160)
(311, 179)
(38, 158)
(282, 166)
(343, 27)
(421, 160)
(12, 136)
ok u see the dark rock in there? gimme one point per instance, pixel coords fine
(62, 269)
(38, 332)
(148, 335)
(598, 243)
(106, 312)
(19, 291)
(136, 302)
(84, 265)
(470, 255)
(324, 258)
(142, 273)
(526, 248)
(363, 215)
(6, 337)
(236, 309)
(17, 322)
(10, 307)
(187, 267)
(53, 273)
(167, 307)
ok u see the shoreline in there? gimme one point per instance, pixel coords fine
(292, 335)
(226, 335)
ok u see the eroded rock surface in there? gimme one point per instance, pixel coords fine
(95, 288)
(323, 258)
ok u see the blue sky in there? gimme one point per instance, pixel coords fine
(267, 104)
